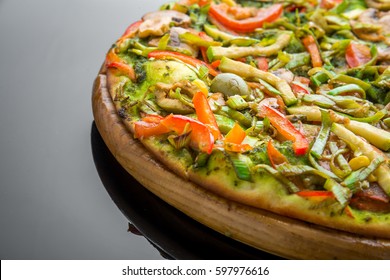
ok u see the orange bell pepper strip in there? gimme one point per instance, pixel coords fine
(114, 61)
(312, 48)
(205, 114)
(286, 129)
(144, 129)
(200, 138)
(236, 135)
(275, 157)
(182, 57)
(233, 140)
(269, 14)
(357, 54)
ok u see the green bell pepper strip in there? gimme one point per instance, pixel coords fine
(350, 88)
(319, 100)
(351, 80)
(236, 115)
(196, 40)
(217, 34)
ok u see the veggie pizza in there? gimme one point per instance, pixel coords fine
(280, 105)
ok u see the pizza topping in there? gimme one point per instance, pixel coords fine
(286, 129)
(158, 23)
(184, 58)
(229, 84)
(299, 94)
(171, 99)
(222, 13)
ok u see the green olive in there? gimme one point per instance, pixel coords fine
(229, 84)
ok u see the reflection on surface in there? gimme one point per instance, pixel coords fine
(173, 233)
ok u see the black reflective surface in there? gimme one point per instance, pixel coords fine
(62, 195)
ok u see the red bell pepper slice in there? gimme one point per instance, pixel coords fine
(205, 114)
(114, 61)
(312, 48)
(275, 157)
(286, 129)
(319, 194)
(357, 54)
(262, 63)
(182, 57)
(269, 14)
(131, 30)
(201, 137)
(329, 4)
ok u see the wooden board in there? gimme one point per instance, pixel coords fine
(264, 230)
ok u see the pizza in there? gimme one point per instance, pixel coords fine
(278, 105)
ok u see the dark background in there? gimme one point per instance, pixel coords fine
(53, 204)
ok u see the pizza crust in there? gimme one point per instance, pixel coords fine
(261, 229)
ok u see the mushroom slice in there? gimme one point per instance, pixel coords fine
(158, 23)
(175, 105)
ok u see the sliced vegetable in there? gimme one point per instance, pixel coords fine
(229, 84)
(269, 14)
(357, 54)
(361, 174)
(241, 164)
(114, 61)
(217, 34)
(275, 157)
(311, 46)
(319, 145)
(358, 144)
(184, 58)
(248, 72)
(196, 40)
(342, 194)
(236, 102)
(145, 129)
(376, 136)
(234, 52)
(205, 114)
(130, 31)
(359, 162)
(287, 129)
(351, 88)
(201, 137)
(310, 193)
(292, 188)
